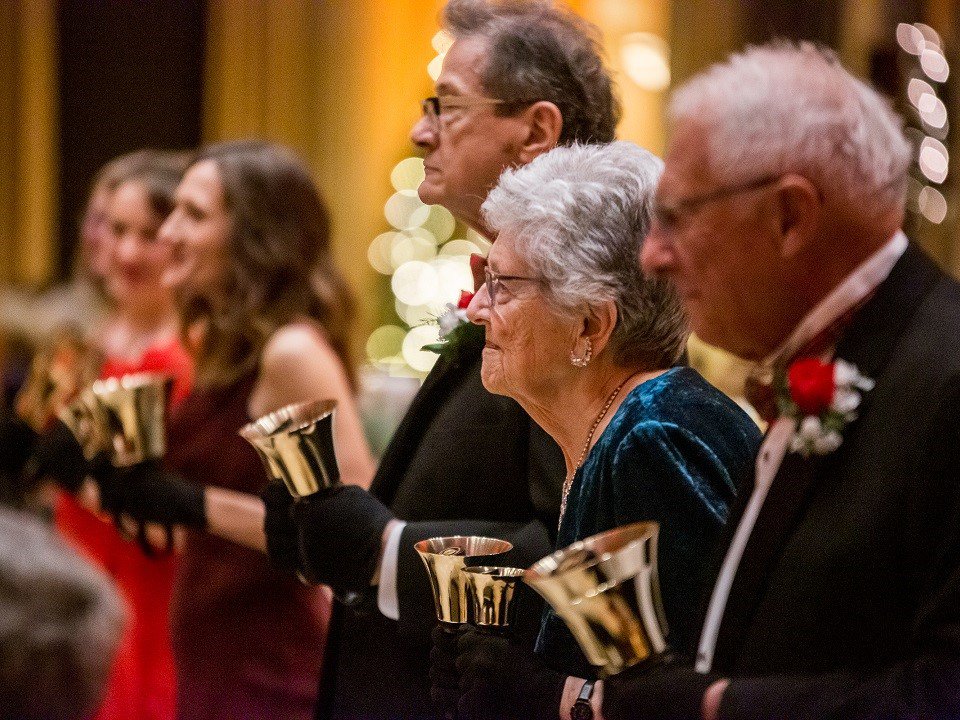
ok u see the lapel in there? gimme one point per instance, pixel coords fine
(868, 343)
(438, 385)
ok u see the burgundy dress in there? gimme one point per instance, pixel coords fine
(248, 641)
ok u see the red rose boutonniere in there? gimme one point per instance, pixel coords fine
(822, 399)
(456, 331)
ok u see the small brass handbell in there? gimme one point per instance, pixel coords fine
(295, 444)
(445, 558)
(491, 591)
(85, 418)
(606, 589)
(133, 412)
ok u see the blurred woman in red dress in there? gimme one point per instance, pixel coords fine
(141, 334)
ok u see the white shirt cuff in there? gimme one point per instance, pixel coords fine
(388, 602)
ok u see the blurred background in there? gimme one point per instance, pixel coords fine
(82, 81)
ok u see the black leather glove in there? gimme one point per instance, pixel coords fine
(444, 678)
(149, 494)
(16, 443)
(502, 678)
(57, 455)
(283, 545)
(341, 532)
(663, 692)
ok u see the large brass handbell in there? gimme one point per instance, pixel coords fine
(445, 559)
(295, 444)
(607, 591)
(491, 591)
(124, 417)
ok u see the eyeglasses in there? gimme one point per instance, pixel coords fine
(433, 107)
(493, 281)
(668, 216)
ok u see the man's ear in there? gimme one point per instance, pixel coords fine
(599, 324)
(544, 124)
(801, 207)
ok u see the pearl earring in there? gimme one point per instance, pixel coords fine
(583, 360)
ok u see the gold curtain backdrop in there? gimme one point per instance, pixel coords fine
(339, 81)
(28, 142)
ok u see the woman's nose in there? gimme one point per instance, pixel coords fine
(479, 307)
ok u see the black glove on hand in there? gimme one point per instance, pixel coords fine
(663, 692)
(501, 678)
(444, 678)
(283, 545)
(341, 532)
(57, 455)
(147, 493)
(16, 442)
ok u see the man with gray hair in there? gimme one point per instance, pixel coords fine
(521, 77)
(837, 589)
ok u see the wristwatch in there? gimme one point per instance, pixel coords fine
(582, 709)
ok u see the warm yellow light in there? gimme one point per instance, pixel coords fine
(415, 283)
(408, 246)
(460, 248)
(435, 66)
(407, 174)
(379, 253)
(441, 42)
(418, 359)
(404, 210)
(440, 223)
(384, 342)
(452, 277)
(645, 60)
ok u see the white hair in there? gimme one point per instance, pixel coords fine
(788, 107)
(582, 213)
(60, 623)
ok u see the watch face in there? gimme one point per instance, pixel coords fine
(581, 710)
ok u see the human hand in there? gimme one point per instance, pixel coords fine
(502, 678)
(444, 678)
(283, 544)
(664, 692)
(340, 533)
(58, 456)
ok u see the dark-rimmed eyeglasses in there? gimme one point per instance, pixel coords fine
(435, 106)
(667, 216)
(493, 281)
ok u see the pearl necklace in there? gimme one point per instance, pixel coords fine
(568, 482)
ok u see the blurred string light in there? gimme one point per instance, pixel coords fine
(646, 61)
(427, 266)
(933, 159)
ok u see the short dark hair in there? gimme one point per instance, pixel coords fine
(541, 51)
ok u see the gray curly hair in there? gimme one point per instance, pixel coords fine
(583, 212)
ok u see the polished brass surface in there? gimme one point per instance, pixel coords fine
(134, 416)
(606, 589)
(445, 558)
(491, 591)
(295, 444)
(124, 417)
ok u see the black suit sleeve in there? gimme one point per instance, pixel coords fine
(531, 541)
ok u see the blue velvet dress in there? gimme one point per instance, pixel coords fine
(675, 451)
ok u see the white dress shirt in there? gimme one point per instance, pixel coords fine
(857, 286)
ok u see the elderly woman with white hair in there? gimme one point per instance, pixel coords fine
(588, 345)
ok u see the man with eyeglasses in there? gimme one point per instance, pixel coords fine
(836, 593)
(520, 78)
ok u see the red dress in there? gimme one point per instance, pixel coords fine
(141, 685)
(248, 640)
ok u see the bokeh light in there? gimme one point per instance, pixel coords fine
(404, 210)
(910, 38)
(385, 342)
(645, 59)
(415, 283)
(407, 174)
(934, 64)
(417, 358)
(933, 206)
(934, 160)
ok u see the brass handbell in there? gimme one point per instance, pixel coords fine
(606, 589)
(296, 446)
(125, 417)
(491, 591)
(445, 558)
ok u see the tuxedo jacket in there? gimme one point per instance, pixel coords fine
(462, 462)
(846, 603)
